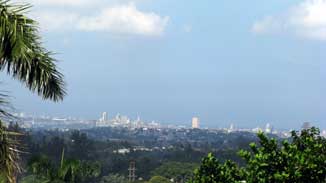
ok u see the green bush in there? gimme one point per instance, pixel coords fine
(159, 179)
(300, 160)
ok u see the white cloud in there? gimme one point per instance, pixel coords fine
(125, 19)
(307, 19)
(58, 21)
(115, 19)
(58, 2)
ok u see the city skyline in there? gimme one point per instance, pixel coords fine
(225, 61)
(104, 120)
(119, 121)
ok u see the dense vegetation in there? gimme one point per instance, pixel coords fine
(300, 160)
(174, 163)
(79, 158)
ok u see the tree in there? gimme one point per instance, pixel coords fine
(23, 57)
(81, 145)
(177, 171)
(159, 179)
(8, 155)
(300, 160)
(212, 171)
(72, 171)
(114, 178)
(8, 152)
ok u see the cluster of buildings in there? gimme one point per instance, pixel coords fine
(47, 122)
(124, 121)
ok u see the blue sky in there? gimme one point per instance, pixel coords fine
(247, 63)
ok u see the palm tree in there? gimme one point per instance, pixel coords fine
(23, 57)
(8, 155)
(70, 170)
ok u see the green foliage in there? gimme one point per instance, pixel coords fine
(42, 167)
(175, 170)
(72, 171)
(302, 160)
(80, 144)
(114, 178)
(3, 178)
(8, 155)
(212, 171)
(22, 55)
(34, 179)
(159, 179)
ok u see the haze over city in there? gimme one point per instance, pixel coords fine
(224, 61)
(162, 91)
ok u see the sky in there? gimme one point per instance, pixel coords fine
(228, 61)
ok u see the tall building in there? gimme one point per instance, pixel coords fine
(231, 129)
(104, 117)
(195, 122)
(103, 121)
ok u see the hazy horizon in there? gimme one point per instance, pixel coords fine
(223, 61)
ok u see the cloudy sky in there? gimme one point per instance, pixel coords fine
(229, 61)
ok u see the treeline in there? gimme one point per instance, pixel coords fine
(72, 156)
(95, 160)
(300, 160)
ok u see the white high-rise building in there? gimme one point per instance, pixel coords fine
(103, 121)
(104, 117)
(231, 129)
(195, 122)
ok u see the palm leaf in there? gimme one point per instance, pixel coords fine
(9, 154)
(23, 57)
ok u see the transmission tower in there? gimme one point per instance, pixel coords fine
(132, 171)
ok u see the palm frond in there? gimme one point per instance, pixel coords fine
(9, 154)
(23, 57)
(4, 106)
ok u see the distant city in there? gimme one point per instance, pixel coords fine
(29, 121)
